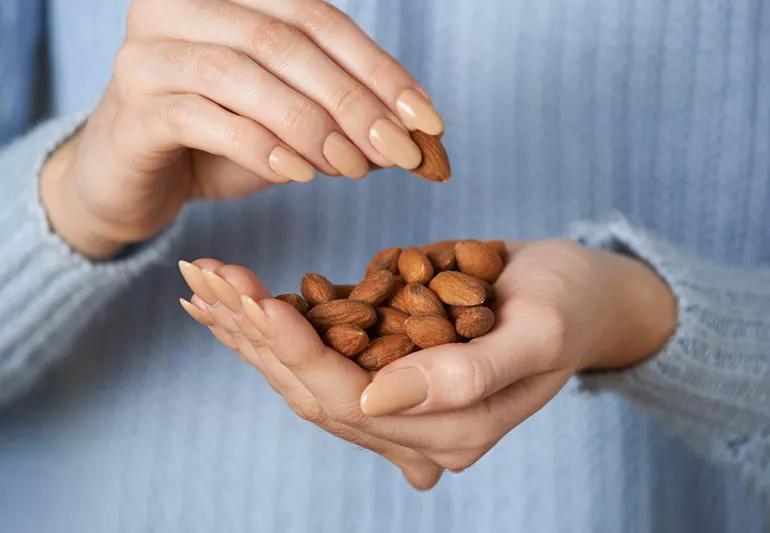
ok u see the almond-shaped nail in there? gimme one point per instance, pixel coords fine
(395, 144)
(258, 316)
(418, 112)
(224, 337)
(345, 157)
(289, 165)
(223, 291)
(394, 392)
(196, 314)
(195, 280)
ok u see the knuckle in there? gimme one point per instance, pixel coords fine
(381, 68)
(305, 118)
(347, 99)
(457, 461)
(469, 377)
(313, 413)
(273, 41)
(177, 115)
(213, 65)
(321, 16)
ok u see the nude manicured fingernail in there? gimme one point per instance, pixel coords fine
(394, 392)
(195, 280)
(418, 112)
(258, 316)
(395, 144)
(344, 156)
(195, 313)
(224, 337)
(289, 165)
(223, 291)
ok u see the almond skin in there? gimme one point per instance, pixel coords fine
(473, 322)
(414, 266)
(336, 312)
(316, 289)
(343, 291)
(420, 300)
(376, 288)
(500, 248)
(457, 288)
(399, 299)
(430, 330)
(441, 255)
(435, 161)
(453, 311)
(384, 260)
(489, 290)
(384, 350)
(390, 321)
(479, 260)
(347, 339)
(296, 301)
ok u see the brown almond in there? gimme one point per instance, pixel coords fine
(435, 161)
(453, 311)
(384, 350)
(427, 331)
(420, 300)
(347, 339)
(343, 291)
(474, 322)
(414, 266)
(336, 312)
(384, 260)
(441, 255)
(489, 290)
(500, 248)
(296, 301)
(457, 288)
(375, 289)
(390, 321)
(398, 300)
(478, 260)
(316, 289)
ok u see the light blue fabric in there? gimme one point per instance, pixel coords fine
(558, 111)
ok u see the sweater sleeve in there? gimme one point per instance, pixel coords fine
(48, 292)
(711, 383)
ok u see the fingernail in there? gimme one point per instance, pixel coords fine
(395, 144)
(418, 112)
(289, 165)
(344, 156)
(248, 329)
(258, 316)
(224, 337)
(195, 313)
(223, 291)
(394, 392)
(194, 278)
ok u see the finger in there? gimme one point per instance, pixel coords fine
(422, 477)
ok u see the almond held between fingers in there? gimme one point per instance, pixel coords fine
(420, 300)
(384, 260)
(457, 288)
(296, 301)
(384, 350)
(316, 289)
(376, 288)
(427, 331)
(414, 266)
(347, 339)
(435, 161)
(336, 312)
(473, 322)
(479, 260)
(391, 321)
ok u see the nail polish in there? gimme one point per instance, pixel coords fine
(344, 156)
(254, 311)
(223, 291)
(395, 144)
(224, 337)
(394, 392)
(194, 278)
(289, 165)
(418, 112)
(196, 314)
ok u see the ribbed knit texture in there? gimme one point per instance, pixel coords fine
(558, 111)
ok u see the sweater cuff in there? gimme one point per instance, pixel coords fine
(51, 290)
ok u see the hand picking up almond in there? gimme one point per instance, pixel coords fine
(410, 299)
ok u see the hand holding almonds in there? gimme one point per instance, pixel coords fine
(411, 298)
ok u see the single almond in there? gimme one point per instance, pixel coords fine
(453, 311)
(390, 321)
(435, 161)
(343, 291)
(473, 322)
(479, 260)
(296, 301)
(441, 255)
(414, 266)
(427, 331)
(457, 288)
(336, 312)
(384, 260)
(347, 339)
(500, 248)
(420, 300)
(384, 350)
(399, 299)
(316, 289)
(376, 288)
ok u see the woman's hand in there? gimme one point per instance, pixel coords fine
(220, 98)
(561, 309)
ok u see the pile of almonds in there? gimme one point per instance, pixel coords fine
(410, 299)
